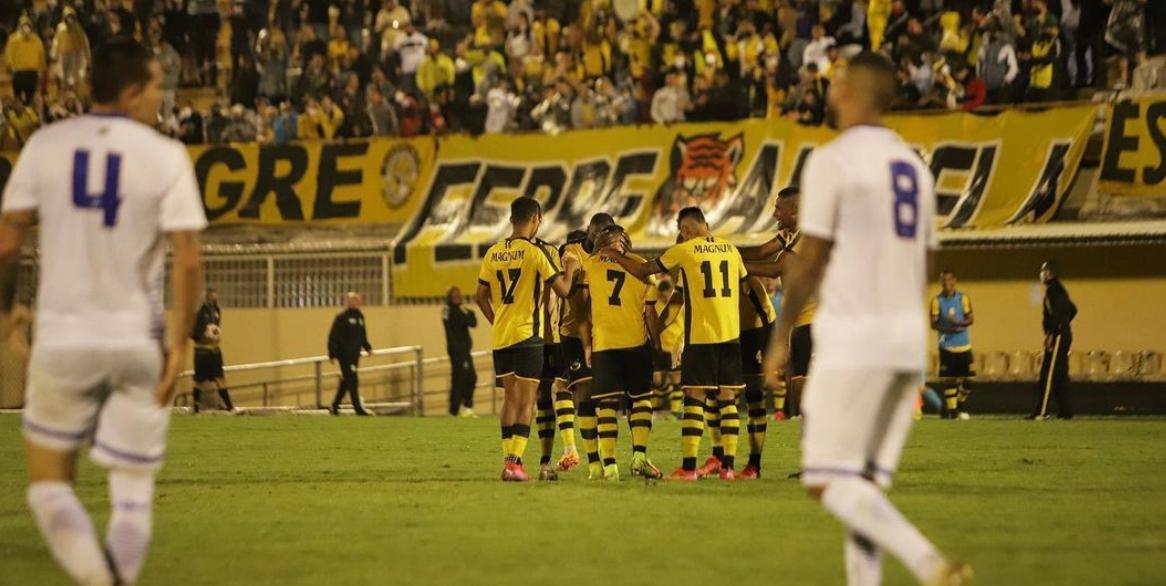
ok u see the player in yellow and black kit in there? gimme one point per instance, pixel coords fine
(575, 332)
(510, 295)
(670, 312)
(787, 242)
(711, 272)
(624, 327)
(546, 409)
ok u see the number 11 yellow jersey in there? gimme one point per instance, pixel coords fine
(711, 271)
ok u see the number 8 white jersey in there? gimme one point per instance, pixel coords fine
(106, 190)
(870, 194)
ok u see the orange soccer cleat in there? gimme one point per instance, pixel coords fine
(727, 474)
(568, 461)
(779, 416)
(749, 473)
(682, 474)
(514, 472)
(711, 468)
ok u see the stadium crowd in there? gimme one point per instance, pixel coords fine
(301, 69)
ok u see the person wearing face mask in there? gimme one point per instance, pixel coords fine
(25, 55)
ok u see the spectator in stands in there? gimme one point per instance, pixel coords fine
(351, 101)
(389, 22)
(501, 105)
(285, 128)
(190, 126)
(245, 84)
(346, 339)
(1126, 32)
(315, 79)
(410, 49)
(381, 114)
(815, 51)
(171, 63)
(21, 121)
(1044, 59)
(435, 74)
(998, 66)
(25, 55)
(670, 102)
(71, 51)
(458, 319)
(489, 20)
(271, 61)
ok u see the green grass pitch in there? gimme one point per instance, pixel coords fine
(315, 500)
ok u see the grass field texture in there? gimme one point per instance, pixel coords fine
(315, 500)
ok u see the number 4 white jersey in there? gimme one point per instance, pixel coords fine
(870, 194)
(106, 190)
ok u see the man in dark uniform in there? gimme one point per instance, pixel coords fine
(458, 319)
(347, 338)
(208, 357)
(1059, 312)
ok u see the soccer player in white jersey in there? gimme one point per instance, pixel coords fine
(107, 191)
(866, 218)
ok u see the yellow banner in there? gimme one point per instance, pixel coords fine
(1133, 161)
(311, 183)
(1011, 168)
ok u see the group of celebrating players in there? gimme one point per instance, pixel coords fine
(609, 325)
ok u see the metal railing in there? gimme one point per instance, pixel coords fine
(273, 391)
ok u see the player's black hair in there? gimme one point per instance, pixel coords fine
(118, 64)
(788, 192)
(602, 220)
(882, 72)
(691, 212)
(524, 209)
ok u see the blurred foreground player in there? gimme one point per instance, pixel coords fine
(510, 284)
(208, 356)
(100, 367)
(866, 223)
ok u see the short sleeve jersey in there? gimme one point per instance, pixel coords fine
(618, 301)
(711, 272)
(517, 270)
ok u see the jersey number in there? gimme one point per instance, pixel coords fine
(107, 201)
(706, 268)
(616, 277)
(508, 290)
(905, 184)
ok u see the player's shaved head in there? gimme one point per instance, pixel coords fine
(863, 91)
(524, 209)
(599, 222)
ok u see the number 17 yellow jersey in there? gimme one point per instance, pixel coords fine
(516, 270)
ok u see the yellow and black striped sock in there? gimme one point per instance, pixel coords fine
(691, 429)
(675, 400)
(965, 391)
(779, 393)
(588, 429)
(712, 417)
(507, 435)
(757, 425)
(730, 429)
(608, 430)
(521, 434)
(565, 415)
(951, 399)
(640, 421)
(545, 423)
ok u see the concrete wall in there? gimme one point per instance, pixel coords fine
(1120, 292)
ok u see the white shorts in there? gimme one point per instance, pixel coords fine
(103, 394)
(855, 422)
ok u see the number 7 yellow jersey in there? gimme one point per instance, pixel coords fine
(516, 270)
(618, 301)
(711, 271)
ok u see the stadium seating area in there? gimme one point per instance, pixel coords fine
(280, 70)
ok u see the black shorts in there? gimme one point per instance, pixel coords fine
(521, 361)
(662, 361)
(208, 365)
(624, 370)
(574, 362)
(753, 345)
(955, 364)
(801, 349)
(552, 362)
(712, 366)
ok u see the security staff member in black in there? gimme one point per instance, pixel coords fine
(208, 356)
(347, 338)
(1059, 312)
(458, 319)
